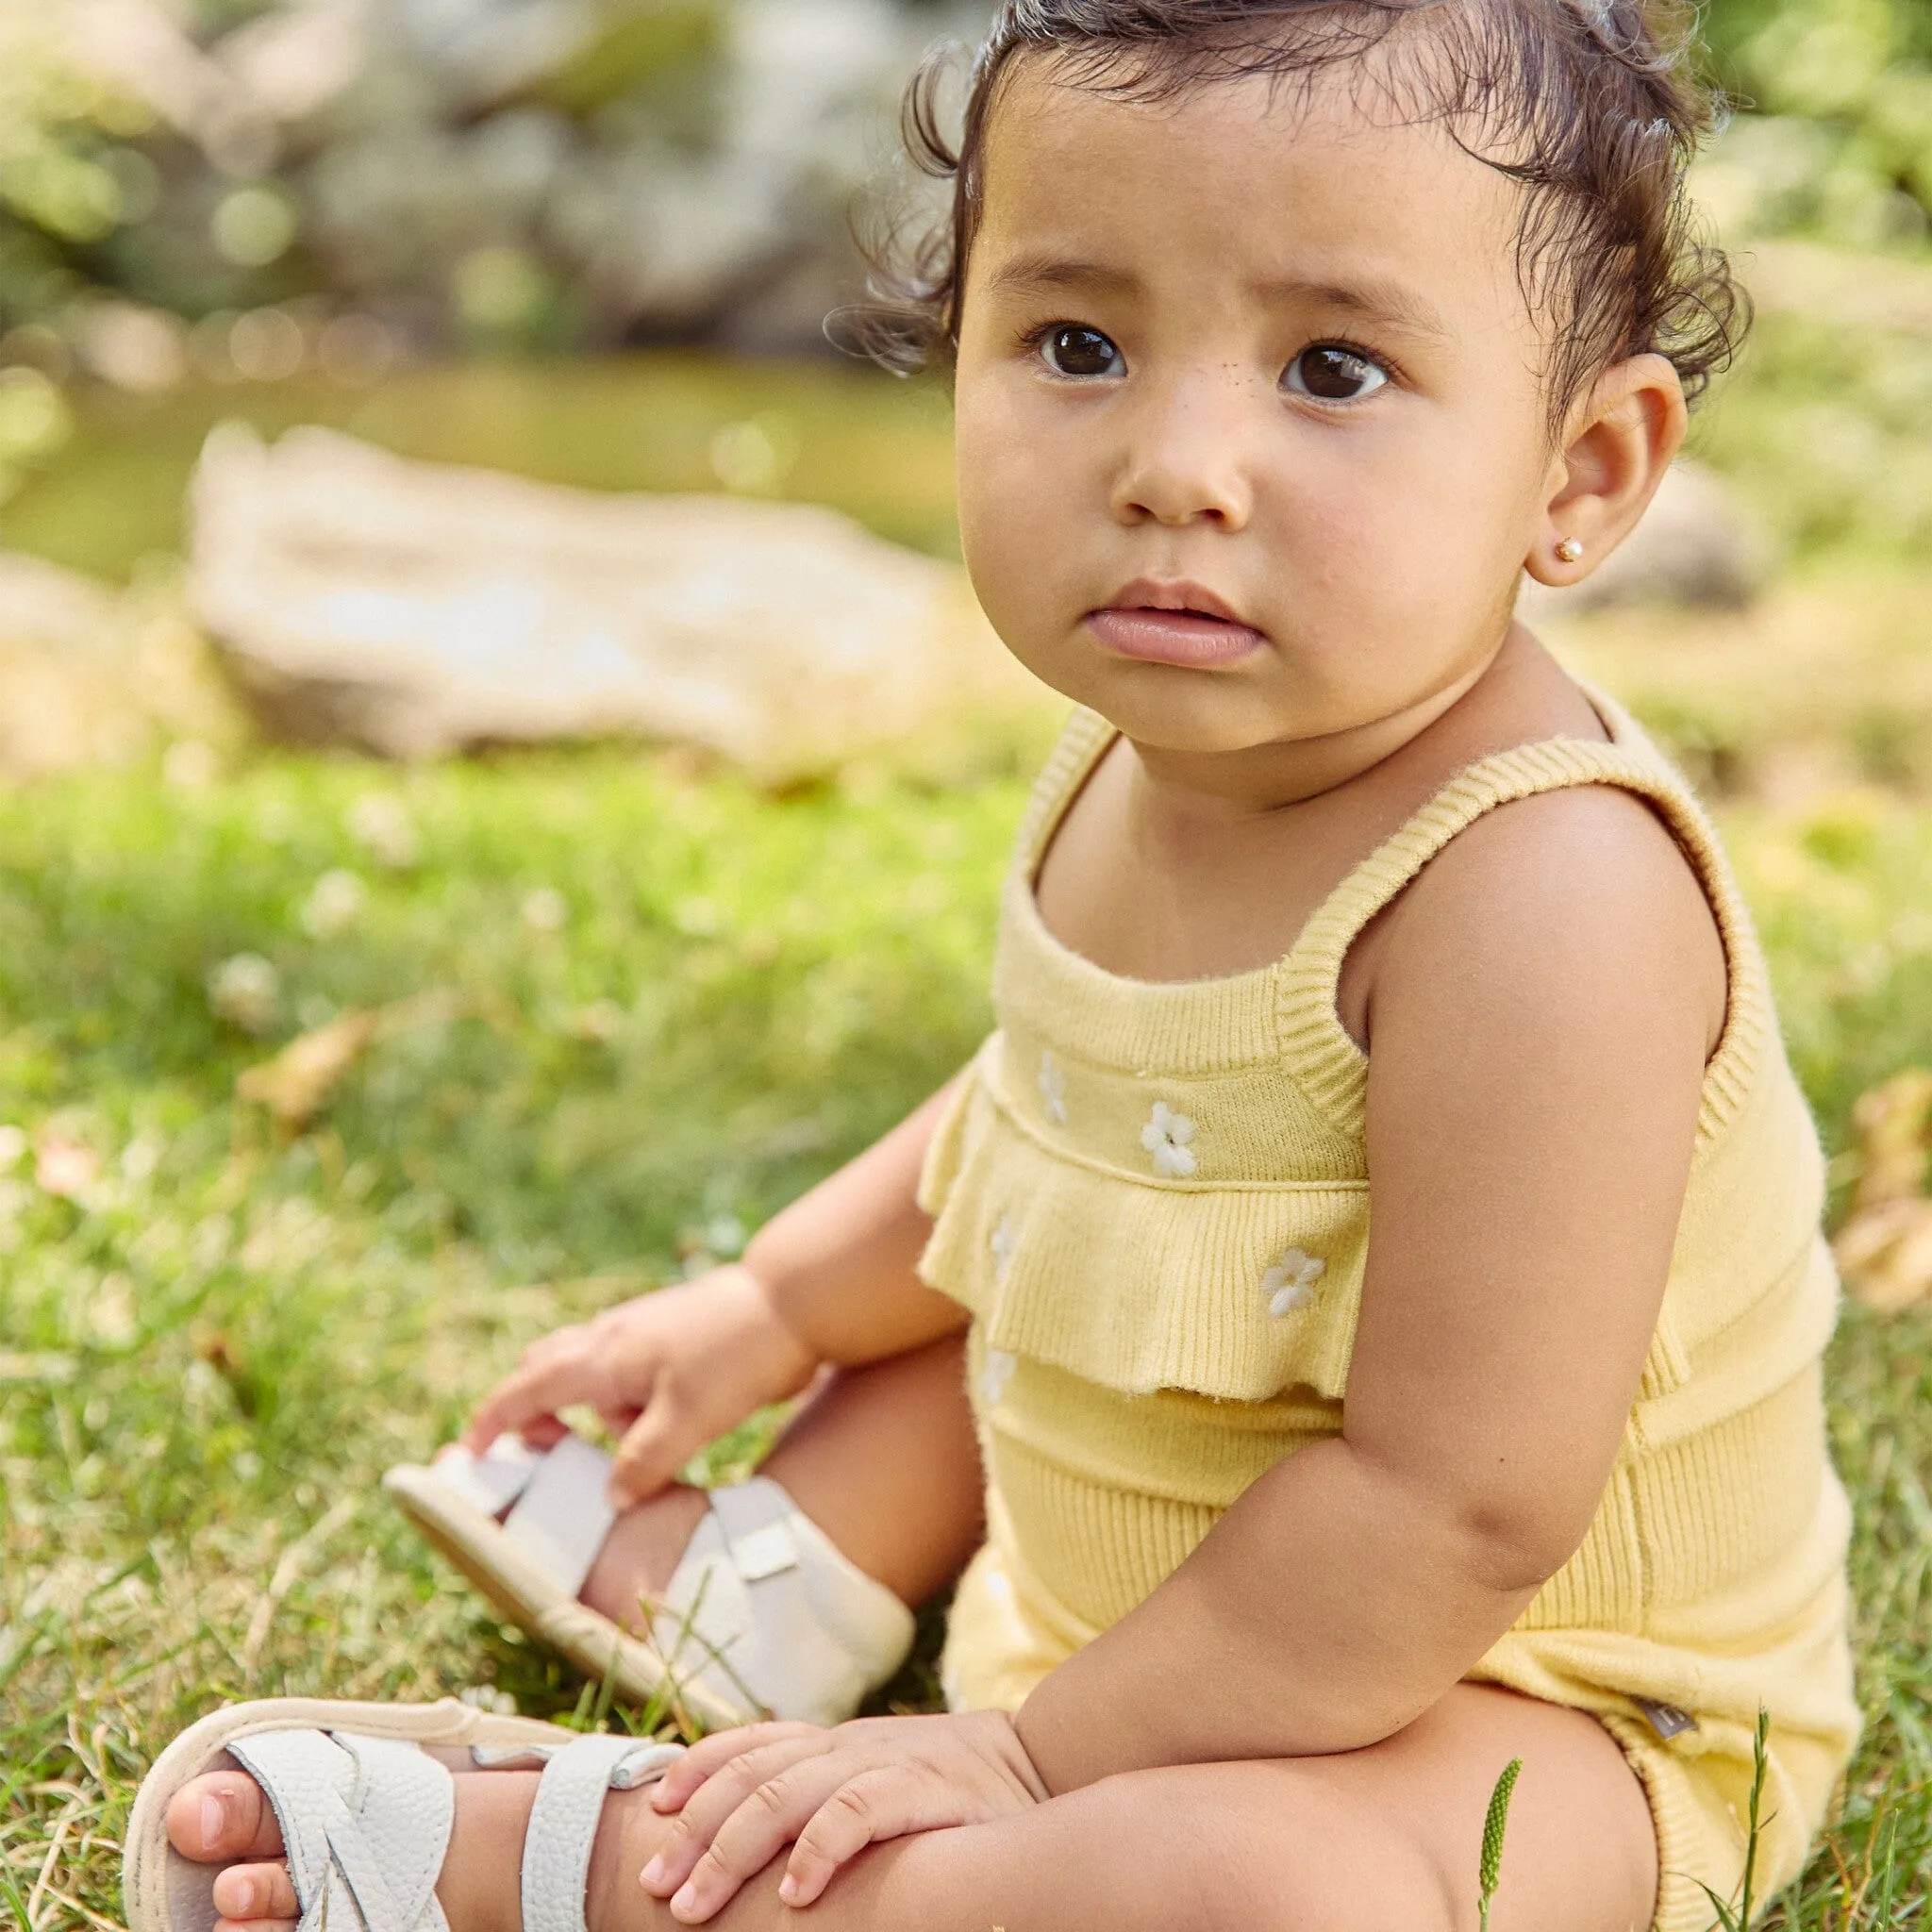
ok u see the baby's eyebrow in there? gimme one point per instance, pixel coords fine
(1375, 300)
(1026, 272)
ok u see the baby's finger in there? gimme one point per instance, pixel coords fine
(712, 1753)
(887, 1802)
(657, 1445)
(747, 1784)
(772, 1812)
(539, 1387)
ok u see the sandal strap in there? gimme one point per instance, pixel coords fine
(564, 1512)
(565, 1819)
(365, 1824)
(491, 1482)
(765, 1611)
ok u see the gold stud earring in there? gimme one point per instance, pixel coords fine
(1570, 551)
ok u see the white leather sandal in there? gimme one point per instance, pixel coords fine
(366, 1813)
(764, 1617)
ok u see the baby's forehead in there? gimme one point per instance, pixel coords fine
(1262, 175)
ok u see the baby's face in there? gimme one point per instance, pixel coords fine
(1268, 364)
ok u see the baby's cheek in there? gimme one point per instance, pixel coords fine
(1025, 545)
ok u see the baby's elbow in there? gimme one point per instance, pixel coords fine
(1511, 1547)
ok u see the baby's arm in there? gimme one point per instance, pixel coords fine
(832, 1278)
(1543, 1001)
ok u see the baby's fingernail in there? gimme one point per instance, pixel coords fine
(685, 1899)
(245, 1898)
(653, 1874)
(789, 1889)
(210, 1820)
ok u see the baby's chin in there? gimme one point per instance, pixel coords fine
(1198, 711)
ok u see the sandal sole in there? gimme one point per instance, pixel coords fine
(477, 1546)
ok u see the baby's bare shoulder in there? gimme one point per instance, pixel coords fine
(1579, 897)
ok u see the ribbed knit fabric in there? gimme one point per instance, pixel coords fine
(1154, 1200)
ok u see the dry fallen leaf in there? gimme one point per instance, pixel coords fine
(1892, 1123)
(301, 1079)
(1885, 1249)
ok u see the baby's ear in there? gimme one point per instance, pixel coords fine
(1619, 441)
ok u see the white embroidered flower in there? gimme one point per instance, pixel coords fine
(1006, 1238)
(1053, 1090)
(1166, 1137)
(996, 1373)
(1291, 1283)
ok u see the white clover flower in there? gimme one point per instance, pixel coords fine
(65, 1168)
(1166, 1137)
(996, 1373)
(379, 822)
(1006, 1238)
(546, 910)
(487, 1697)
(246, 992)
(1053, 1090)
(13, 1144)
(1291, 1283)
(334, 905)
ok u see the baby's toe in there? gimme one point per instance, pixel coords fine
(247, 1894)
(222, 1816)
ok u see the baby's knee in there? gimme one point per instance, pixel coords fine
(1314, 1887)
(1243, 1848)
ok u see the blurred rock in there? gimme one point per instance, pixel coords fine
(91, 676)
(1693, 546)
(414, 609)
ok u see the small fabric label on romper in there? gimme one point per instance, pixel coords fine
(1666, 1720)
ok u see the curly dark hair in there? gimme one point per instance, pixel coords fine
(1590, 104)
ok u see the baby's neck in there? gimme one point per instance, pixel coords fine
(1516, 695)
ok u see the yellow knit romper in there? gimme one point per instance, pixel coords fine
(1154, 1200)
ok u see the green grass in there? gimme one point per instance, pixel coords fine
(205, 1361)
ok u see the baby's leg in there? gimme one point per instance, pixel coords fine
(883, 1458)
(1369, 1842)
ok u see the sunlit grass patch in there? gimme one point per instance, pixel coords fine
(663, 1005)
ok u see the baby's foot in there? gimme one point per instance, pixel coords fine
(640, 1556)
(222, 1818)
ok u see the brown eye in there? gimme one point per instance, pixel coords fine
(1332, 373)
(1071, 349)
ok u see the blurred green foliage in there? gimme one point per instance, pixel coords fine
(836, 433)
(1832, 137)
(1834, 132)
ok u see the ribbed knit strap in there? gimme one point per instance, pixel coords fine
(1315, 1047)
(562, 1828)
(1086, 739)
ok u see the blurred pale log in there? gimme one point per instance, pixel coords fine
(1692, 546)
(412, 609)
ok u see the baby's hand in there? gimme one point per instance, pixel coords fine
(743, 1795)
(671, 1370)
